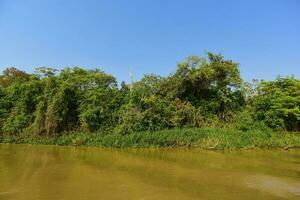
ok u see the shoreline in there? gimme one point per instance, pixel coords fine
(202, 138)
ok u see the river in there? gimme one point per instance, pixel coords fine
(52, 172)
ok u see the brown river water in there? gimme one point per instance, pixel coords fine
(51, 172)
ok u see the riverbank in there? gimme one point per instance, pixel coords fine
(204, 138)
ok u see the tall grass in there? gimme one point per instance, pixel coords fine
(205, 138)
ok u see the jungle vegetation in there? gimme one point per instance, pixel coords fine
(203, 92)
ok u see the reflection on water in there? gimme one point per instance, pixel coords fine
(284, 188)
(49, 172)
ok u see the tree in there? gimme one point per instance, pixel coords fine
(20, 104)
(278, 103)
(213, 85)
(10, 75)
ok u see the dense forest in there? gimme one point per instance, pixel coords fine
(202, 92)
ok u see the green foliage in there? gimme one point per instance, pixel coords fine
(202, 92)
(98, 109)
(40, 117)
(214, 85)
(62, 111)
(146, 109)
(204, 138)
(245, 121)
(21, 99)
(4, 107)
(278, 103)
(13, 75)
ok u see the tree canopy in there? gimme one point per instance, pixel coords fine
(200, 91)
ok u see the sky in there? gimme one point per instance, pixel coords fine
(150, 36)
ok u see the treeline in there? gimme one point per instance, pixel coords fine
(202, 92)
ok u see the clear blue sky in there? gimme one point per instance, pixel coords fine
(150, 36)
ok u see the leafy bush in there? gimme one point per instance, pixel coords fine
(244, 121)
(278, 103)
